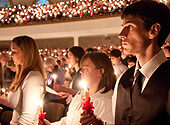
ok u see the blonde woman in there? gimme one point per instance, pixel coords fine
(28, 87)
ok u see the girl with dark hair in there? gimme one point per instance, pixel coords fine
(97, 71)
(74, 56)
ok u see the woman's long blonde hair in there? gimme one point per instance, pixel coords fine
(31, 61)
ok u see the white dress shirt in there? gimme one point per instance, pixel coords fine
(147, 70)
(119, 69)
(25, 101)
(102, 108)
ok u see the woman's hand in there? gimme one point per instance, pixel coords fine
(4, 101)
(63, 95)
(44, 122)
(90, 119)
(56, 87)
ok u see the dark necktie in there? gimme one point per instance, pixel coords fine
(137, 83)
(135, 93)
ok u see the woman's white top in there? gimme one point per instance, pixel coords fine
(102, 108)
(25, 101)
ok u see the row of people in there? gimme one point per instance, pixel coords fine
(141, 94)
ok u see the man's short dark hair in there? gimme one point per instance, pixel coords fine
(131, 59)
(90, 50)
(63, 59)
(151, 12)
(59, 62)
(115, 53)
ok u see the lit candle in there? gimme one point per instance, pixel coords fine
(87, 104)
(86, 93)
(52, 54)
(83, 84)
(69, 66)
(41, 106)
(54, 76)
(3, 90)
(45, 58)
(41, 114)
(10, 53)
(6, 93)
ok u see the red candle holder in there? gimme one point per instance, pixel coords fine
(42, 115)
(87, 105)
(55, 83)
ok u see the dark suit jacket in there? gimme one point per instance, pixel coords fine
(151, 106)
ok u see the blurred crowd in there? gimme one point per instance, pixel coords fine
(20, 14)
(67, 10)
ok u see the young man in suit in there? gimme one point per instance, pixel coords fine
(144, 100)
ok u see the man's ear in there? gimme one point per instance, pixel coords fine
(154, 30)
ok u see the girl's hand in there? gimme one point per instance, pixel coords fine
(90, 119)
(44, 122)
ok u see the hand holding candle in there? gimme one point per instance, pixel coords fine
(88, 107)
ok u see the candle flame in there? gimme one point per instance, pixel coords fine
(41, 103)
(69, 66)
(41, 106)
(54, 76)
(83, 84)
(3, 90)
